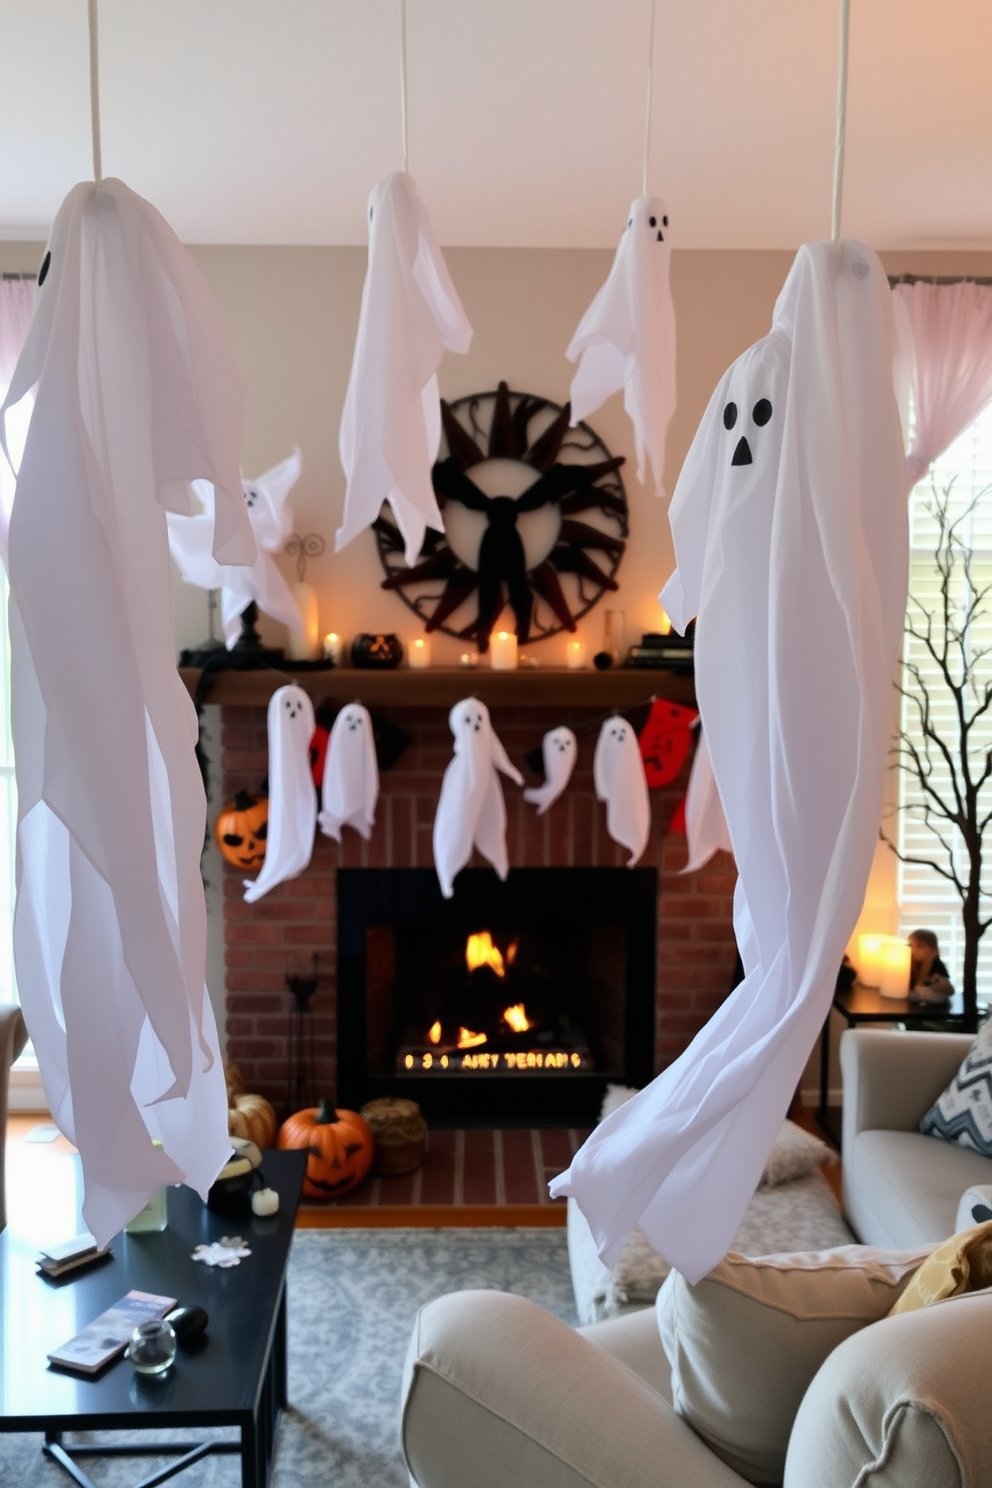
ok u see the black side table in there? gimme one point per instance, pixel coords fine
(867, 1005)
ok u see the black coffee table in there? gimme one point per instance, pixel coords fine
(238, 1376)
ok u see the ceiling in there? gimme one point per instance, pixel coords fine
(268, 121)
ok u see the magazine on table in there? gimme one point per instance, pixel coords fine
(110, 1333)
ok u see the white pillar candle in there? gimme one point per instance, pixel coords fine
(575, 656)
(870, 960)
(503, 651)
(333, 648)
(419, 653)
(896, 955)
(305, 647)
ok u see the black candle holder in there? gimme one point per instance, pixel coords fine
(301, 1090)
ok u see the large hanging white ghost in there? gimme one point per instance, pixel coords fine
(136, 395)
(790, 531)
(626, 338)
(292, 796)
(391, 421)
(350, 788)
(559, 750)
(271, 523)
(618, 775)
(471, 811)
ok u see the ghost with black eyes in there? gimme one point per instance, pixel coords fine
(350, 787)
(618, 775)
(791, 538)
(292, 797)
(559, 753)
(271, 523)
(471, 811)
(626, 339)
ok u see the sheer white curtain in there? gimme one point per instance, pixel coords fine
(16, 309)
(945, 337)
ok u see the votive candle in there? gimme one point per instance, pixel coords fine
(503, 651)
(575, 656)
(333, 648)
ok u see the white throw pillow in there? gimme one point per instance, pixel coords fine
(745, 1342)
(963, 1114)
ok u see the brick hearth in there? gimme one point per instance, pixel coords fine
(695, 938)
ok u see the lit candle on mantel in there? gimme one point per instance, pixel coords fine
(333, 648)
(664, 623)
(503, 651)
(305, 647)
(575, 656)
(419, 654)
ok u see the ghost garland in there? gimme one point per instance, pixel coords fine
(790, 528)
(391, 420)
(618, 775)
(137, 394)
(292, 798)
(350, 783)
(559, 751)
(262, 582)
(471, 811)
(626, 339)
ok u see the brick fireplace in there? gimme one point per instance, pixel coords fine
(695, 947)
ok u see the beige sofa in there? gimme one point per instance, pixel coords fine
(500, 1394)
(901, 1188)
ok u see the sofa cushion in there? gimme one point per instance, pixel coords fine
(745, 1342)
(963, 1113)
(962, 1264)
(902, 1404)
(902, 1188)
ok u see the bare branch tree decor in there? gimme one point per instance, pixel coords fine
(948, 755)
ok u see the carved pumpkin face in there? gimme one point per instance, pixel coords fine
(241, 829)
(339, 1147)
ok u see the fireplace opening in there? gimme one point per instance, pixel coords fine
(511, 1002)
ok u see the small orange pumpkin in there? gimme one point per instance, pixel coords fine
(253, 1117)
(339, 1144)
(233, 1078)
(241, 829)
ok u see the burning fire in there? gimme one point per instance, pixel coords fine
(469, 1040)
(516, 1018)
(480, 951)
(434, 1033)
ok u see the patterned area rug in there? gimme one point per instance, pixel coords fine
(353, 1295)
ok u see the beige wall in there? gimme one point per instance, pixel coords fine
(292, 314)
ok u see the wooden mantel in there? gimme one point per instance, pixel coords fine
(538, 687)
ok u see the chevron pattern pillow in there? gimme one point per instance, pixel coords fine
(963, 1114)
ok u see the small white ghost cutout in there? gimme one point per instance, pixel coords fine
(350, 787)
(471, 811)
(292, 795)
(271, 523)
(618, 775)
(559, 750)
(626, 339)
(391, 420)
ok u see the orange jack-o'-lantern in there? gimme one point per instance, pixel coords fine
(240, 831)
(339, 1145)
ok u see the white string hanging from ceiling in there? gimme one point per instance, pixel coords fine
(841, 133)
(94, 28)
(404, 120)
(626, 339)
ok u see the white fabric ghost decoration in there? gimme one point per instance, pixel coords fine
(790, 529)
(137, 394)
(292, 794)
(391, 421)
(471, 811)
(350, 788)
(626, 338)
(271, 522)
(560, 752)
(706, 828)
(618, 775)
